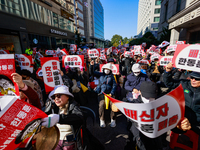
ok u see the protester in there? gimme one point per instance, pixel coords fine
(108, 86)
(68, 118)
(134, 80)
(27, 94)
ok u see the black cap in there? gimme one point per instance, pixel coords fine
(111, 60)
(195, 74)
(149, 89)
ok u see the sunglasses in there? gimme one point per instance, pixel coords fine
(197, 79)
(56, 95)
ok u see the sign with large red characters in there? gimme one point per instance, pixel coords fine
(50, 70)
(73, 60)
(187, 57)
(94, 53)
(25, 61)
(164, 60)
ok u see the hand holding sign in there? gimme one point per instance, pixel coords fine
(185, 125)
(18, 79)
(169, 67)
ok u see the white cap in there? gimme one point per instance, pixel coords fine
(61, 89)
(107, 66)
(136, 68)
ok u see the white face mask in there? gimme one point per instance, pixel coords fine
(136, 73)
(106, 71)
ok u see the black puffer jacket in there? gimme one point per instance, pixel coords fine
(192, 99)
(74, 117)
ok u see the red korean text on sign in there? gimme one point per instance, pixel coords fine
(54, 65)
(49, 74)
(193, 53)
(162, 110)
(131, 113)
(145, 115)
(162, 125)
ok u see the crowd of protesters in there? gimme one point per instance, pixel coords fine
(143, 83)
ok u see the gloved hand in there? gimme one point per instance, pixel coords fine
(51, 120)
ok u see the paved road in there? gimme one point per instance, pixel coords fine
(111, 138)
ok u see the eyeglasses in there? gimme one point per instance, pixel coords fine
(197, 79)
(56, 95)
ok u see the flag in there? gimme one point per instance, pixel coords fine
(86, 4)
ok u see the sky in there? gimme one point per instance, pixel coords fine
(120, 17)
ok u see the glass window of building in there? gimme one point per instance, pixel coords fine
(80, 23)
(11, 6)
(81, 31)
(80, 15)
(79, 6)
(156, 19)
(11, 43)
(178, 7)
(71, 8)
(55, 20)
(158, 2)
(157, 11)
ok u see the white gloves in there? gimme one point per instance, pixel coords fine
(51, 120)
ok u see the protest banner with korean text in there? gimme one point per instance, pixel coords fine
(7, 67)
(187, 57)
(180, 42)
(171, 48)
(93, 53)
(49, 52)
(164, 60)
(73, 60)
(4, 52)
(51, 76)
(25, 61)
(73, 48)
(14, 116)
(115, 68)
(157, 117)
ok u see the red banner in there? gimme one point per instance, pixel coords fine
(4, 52)
(51, 76)
(7, 67)
(94, 53)
(13, 118)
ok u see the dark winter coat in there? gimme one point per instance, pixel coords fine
(192, 99)
(134, 82)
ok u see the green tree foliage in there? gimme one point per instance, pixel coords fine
(115, 40)
(147, 37)
(165, 36)
(125, 40)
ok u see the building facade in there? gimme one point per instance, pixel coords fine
(148, 17)
(185, 25)
(79, 17)
(168, 9)
(94, 23)
(47, 24)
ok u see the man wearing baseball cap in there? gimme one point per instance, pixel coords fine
(191, 90)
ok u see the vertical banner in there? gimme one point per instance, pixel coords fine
(187, 57)
(73, 60)
(51, 76)
(7, 67)
(115, 68)
(94, 53)
(14, 116)
(25, 61)
(164, 60)
(156, 117)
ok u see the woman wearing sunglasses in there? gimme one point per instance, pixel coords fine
(68, 118)
(191, 90)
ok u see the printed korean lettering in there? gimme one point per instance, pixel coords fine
(15, 122)
(145, 115)
(193, 53)
(57, 82)
(4, 67)
(55, 73)
(198, 64)
(191, 62)
(131, 113)
(162, 124)
(147, 128)
(54, 65)
(2, 126)
(49, 74)
(162, 110)
(21, 115)
(173, 120)
(182, 61)
(26, 108)
(10, 67)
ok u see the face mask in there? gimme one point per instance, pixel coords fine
(106, 71)
(136, 73)
(145, 100)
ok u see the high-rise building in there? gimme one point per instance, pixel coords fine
(47, 24)
(168, 9)
(94, 23)
(184, 24)
(79, 17)
(148, 16)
